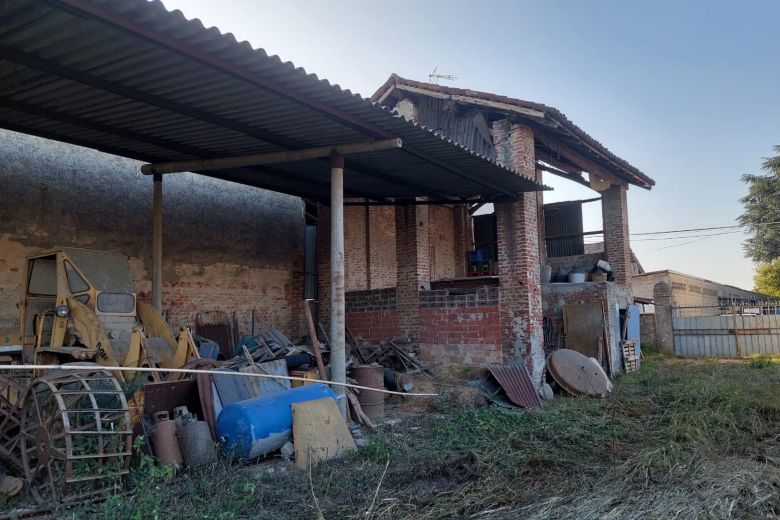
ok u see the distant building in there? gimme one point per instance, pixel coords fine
(692, 291)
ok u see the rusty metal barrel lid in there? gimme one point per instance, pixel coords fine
(578, 374)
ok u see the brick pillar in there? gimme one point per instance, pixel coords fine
(662, 299)
(519, 254)
(323, 264)
(413, 264)
(464, 240)
(617, 245)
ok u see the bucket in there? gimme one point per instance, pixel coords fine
(576, 277)
(372, 376)
(166, 446)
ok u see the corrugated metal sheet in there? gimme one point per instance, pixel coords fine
(514, 379)
(130, 78)
(726, 335)
(564, 221)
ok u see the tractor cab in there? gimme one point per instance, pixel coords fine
(60, 280)
(80, 304)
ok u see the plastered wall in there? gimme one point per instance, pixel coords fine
(226, 246)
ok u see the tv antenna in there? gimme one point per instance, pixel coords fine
(434, 77)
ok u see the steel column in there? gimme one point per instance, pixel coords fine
(338, 371)
(157, 243)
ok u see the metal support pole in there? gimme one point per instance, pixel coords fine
(157, 243)
(338, 371)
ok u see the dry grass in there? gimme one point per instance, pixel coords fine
(676, 440)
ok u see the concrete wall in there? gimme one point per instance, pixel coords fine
(689, 291)
(226, 246)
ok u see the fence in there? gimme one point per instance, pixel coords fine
(727, 331)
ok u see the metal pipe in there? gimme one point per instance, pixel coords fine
(241, 161)
(157, 243)
(338, 370)
(220, 373)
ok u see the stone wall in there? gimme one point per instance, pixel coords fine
(226, 246)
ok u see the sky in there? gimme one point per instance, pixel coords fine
(685, 91)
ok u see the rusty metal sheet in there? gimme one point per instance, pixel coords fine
(583, 324)
(514, 379)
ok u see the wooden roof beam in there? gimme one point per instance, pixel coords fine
(578, 159)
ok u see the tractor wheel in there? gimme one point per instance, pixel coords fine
(76, 435)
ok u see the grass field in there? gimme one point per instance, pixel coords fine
(678, 439)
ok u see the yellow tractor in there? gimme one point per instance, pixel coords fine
(70, 432)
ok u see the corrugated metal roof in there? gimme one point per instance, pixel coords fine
(130, 78)
(569, 133)
(514, 379)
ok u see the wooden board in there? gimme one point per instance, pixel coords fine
(583, 324)
(319, 432)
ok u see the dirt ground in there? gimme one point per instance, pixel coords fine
(678, 439)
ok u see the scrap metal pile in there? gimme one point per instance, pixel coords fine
(94, 370)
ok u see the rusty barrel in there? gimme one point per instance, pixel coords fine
(372, 376)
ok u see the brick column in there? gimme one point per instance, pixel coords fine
(323, 264)
(413, 264)
(520, 303)
(464, 240)
(662, 300)
(617, 245)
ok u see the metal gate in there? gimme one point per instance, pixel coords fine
(727, 332)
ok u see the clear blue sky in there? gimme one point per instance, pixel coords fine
(686, 91)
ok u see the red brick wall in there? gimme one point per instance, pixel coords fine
(519, 254)
(374, 326)
(460, 328)
(355, 259)
(372, 314)
(465, 335)
(413, 261)
(614, 207)
(442, 242)
(382, 250)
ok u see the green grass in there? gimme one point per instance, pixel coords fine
(675, 440)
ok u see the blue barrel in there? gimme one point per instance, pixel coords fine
(256, 427)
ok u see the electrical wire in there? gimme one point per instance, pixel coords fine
(687, 236)
(701, 229)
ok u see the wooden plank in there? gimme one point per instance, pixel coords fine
(319, 432)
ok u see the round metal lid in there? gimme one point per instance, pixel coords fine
(577, 373)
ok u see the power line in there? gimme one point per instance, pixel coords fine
(687, 236)
(701, 229)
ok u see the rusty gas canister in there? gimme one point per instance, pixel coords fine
(166, 445)
(196, 441)
(372, 376)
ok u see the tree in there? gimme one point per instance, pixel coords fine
(762, 211)
(767, 279)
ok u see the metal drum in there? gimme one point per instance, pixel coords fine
(372, 376)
